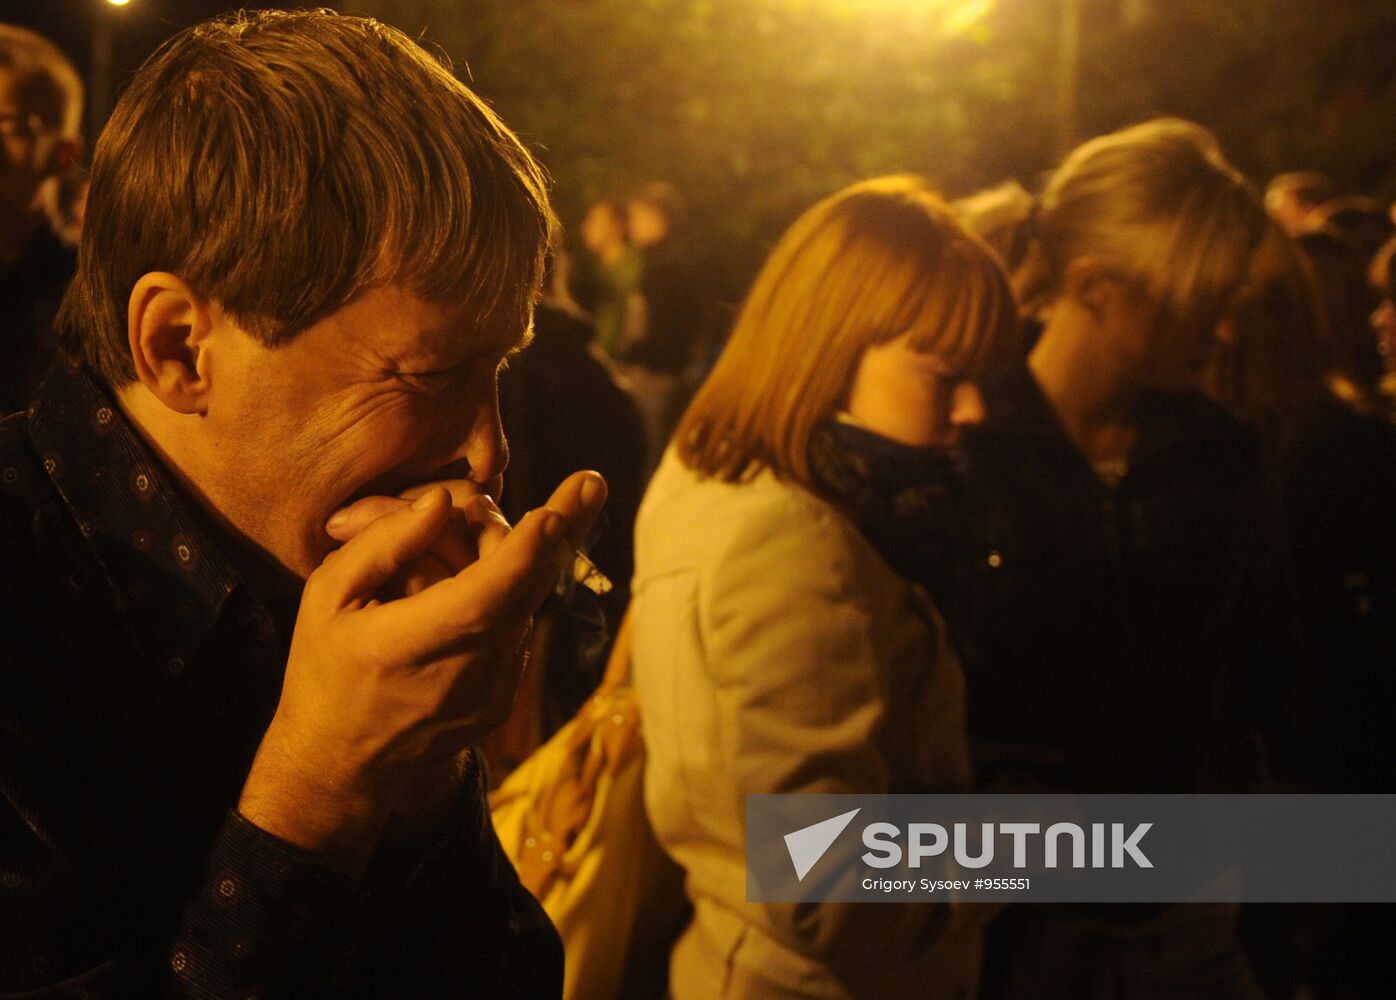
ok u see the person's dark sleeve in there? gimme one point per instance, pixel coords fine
(462, 924)
(456, 924)
(268, 921)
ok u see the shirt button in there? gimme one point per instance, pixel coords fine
(995, 558)
(227, 888)
(175, 666)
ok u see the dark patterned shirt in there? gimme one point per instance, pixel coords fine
(138, 673)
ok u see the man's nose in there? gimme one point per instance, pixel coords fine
(483, 447)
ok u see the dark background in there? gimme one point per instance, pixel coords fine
(755, 108)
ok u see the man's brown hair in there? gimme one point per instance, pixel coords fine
(283, 162)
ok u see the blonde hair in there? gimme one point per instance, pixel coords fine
(1156, 204)
(877, 260)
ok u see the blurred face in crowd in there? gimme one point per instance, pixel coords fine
(1384, 322)
(30, 149)
(602, 228)
(1131, 332)
(1383, 318)
(912, 396)
(387, 393)
(647, 221)
(1172, 354)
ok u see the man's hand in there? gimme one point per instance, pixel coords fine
(376, 689)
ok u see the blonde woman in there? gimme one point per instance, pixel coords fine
(1125, 588)
(776, 647)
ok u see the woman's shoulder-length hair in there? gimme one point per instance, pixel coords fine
(876, 260)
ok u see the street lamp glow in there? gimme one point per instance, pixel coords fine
(950, 17)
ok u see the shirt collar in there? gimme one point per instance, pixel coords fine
(160, 557)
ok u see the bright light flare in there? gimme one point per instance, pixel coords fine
(961, 17)
(118, 3)
(950, 17)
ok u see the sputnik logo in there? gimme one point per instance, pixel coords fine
(808, 845)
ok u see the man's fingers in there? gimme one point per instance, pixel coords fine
(454, 547)
(510, 583)
(462, 490)
(486, 524)
(349, 521)
(579, 500)
(423, 573)
(494, 594)
(384, 547)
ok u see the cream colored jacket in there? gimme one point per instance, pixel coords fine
(774, 651)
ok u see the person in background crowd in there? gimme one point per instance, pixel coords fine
(1337, 465)
(72, 206)
(608, 283)
(564, 408)
(1382, 277)
(1364, 222)
(1122, 599)
(40, 118)
(1352, 355)
(776, 647)
(258, 602)
(1291, 197)
(662, 353)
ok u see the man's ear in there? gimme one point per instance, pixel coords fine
(1093, 287)
(168, 326)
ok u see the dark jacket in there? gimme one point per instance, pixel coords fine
(31, 289)
(138, 672)
(1340, 505)
(1126, 637)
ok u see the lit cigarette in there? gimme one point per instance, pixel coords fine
(584, 571)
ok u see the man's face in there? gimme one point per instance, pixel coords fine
(387, 393)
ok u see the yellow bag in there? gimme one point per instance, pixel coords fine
(572, 819)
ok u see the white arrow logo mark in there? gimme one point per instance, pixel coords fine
(808, 845)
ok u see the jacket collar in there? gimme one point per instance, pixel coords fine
(165, 567)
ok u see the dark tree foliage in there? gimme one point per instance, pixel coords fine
(755, 108)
